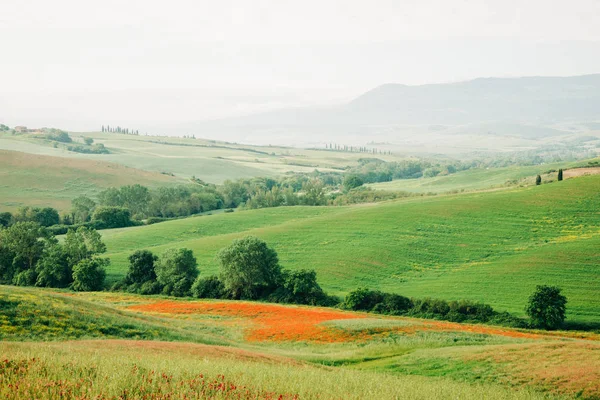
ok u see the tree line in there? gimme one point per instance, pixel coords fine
(118, 129)
(249, 270)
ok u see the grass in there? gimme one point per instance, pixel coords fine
(492, 247)
(45, 181)
(210, 161)
(380, 357)
(476, 179)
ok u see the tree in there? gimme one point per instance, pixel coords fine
(538, 180)
(546, 307)
(112, 217)
(176, 270)
(352, 181)
(89, 274)
(301, 287)
(21, 246)
(46, 216)
(53, 269)
(88, 140)
(5, 219)
(314, 193)
(141, 267)
(249, 268)
(560, 174)
(82, 244)
(82, 208)
(208, 288)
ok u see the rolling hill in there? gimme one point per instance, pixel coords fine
(47, 181)
(490, 246)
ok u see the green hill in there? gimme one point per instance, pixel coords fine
(39, 180)
(492, 247)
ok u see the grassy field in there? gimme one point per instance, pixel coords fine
(476, 179)
(210, 161)
(242, 350)
(492, 247)
(38, 180)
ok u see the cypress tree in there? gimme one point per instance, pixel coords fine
(560, 174)
(538, 180)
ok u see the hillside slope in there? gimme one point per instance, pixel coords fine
(40, 180)
(482, 246)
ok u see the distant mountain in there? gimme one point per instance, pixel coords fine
(529, 102)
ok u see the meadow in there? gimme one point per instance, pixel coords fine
(243, 350)
(493, 247)
(48, 181)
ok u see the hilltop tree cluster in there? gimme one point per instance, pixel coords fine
(118, 129)
(31, 256)
(355, 149)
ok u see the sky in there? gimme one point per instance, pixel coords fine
(76, 64)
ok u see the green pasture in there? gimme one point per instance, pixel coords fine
(493, 247)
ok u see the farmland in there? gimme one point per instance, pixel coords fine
(492, 247)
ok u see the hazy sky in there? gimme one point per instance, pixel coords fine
(78, 63)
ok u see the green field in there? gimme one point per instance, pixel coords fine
(492, 247)
(476, 179)
(38, 180)
(134, 346)
(210, 161)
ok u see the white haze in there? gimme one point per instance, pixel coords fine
(77, 64)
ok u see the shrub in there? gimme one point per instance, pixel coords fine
(176, 271)
(363, 299)
(89, 274)
(25, 278)
(546, 307)
(300, 287)
(111, 217)
(208, 288)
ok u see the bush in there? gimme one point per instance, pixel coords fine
(25, 278)
(300, 287)
(546, 307)
(89, 274)
(176, 271)
(150, 287)
(208, 288)
(363, 299)
(112, 217)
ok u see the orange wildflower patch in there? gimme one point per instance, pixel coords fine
(270, 322)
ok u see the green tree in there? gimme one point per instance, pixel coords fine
(46, 216)
(88, 140)
(314, 193)
(546, 307)
(301, 287)
(89, 274)
(82, 208)
(53, 269)
(352, 181)
(141, 267)
(21, 246)
(538, 180)
(112, 217)
(82, 244)
(560, 174)
(208, 288)
(5, 219)
(249, 268)
(176, 271)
